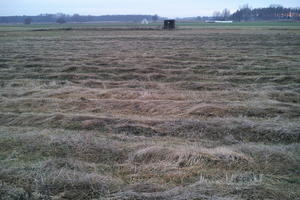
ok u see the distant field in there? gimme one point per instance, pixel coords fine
(180, 25)
(196, 113)
(245, 24)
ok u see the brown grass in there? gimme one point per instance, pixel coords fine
(149, 114)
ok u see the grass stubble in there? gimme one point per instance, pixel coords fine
(136, 114)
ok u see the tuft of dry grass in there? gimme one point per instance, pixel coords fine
(190, 156)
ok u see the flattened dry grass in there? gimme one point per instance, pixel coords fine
(136, 114)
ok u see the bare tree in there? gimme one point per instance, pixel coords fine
(245, 6)
(61, 20)
(155, 18)
(225, 14)
(27, 21)
(217, 15)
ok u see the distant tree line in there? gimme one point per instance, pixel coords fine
(63, 18)
(224, 15)
(273, 12)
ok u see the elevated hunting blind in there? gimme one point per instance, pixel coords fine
(169, 24)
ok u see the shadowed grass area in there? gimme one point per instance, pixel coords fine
(94, 112)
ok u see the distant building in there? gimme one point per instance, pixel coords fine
(215, 21)
(169, 24)
(224, 22)
(144, 21)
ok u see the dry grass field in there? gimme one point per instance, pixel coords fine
(207, 113)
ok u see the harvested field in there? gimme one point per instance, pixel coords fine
(207, 113)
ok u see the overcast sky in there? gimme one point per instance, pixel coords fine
(167, 8)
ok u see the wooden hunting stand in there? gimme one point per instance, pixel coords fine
(169, 24)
